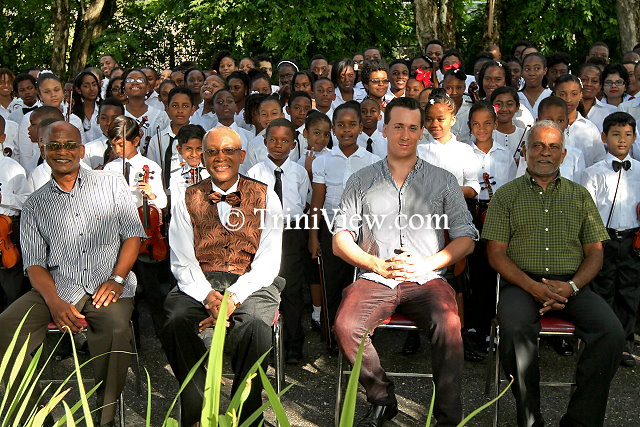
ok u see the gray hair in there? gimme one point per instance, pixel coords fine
(545, 124)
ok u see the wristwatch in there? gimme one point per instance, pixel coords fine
(234, 298)
(119, 280)
(574, 287)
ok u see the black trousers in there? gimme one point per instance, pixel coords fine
(247, 339)
(154, 283)
(294, 255)
(596, 325)
(338, 274)
(619, 281)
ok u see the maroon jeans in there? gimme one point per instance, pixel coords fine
(432, 306)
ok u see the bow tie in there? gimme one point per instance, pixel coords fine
(26, 110)
(626, 165)
(232, 198)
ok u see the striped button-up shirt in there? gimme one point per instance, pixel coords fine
(77, 235)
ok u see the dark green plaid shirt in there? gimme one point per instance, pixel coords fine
(545, 230)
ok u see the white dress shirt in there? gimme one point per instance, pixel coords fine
(14, 188)
(295, 185)
(135, 175)
(154, 101)
(11, 140)
(266, 261)
(509, 140)
(633, 107)
(94, 151)
(599, 111)
(15, 104)
(584, 135)
(17, 114)
(91, 127)
(498, 163)
(523, 118)
(571, 167)
(461, 127)
(533, 109)
(455, 157)
(256, 152)
(334, 169)
(601, 181)
(206, 120)
(301, 145)
(157, 150)
(180, 179)
(378, 143)
(156, 121)
(359, 93)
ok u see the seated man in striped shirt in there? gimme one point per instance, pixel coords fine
(80, 235)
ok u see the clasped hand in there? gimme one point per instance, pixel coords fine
(213, 302)
(405, 266)
(553, 294)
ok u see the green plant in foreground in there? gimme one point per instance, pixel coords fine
(16, 407)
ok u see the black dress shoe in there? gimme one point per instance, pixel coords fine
(562, 347)
(411, 343)
(293, 357)
(315, 325)
(378, 414)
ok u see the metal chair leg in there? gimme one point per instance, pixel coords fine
(121, 421)
(339, 391)
(497, 380)
(136, 369)
(492, 350)
(278, 348)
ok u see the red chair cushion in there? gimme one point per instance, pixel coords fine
(276, 317)
(397, 319)
(53, 327)
(553, 324)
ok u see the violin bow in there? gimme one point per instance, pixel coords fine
(124, 147)
(519, 146)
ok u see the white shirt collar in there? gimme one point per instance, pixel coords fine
(609, 158)
(233, 188)
(336, 151)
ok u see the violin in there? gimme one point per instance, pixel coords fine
(8, 250)
(156, 245)
(486, 178)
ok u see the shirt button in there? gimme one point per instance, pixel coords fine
(546, 249)
(81, 234)
(541, 192)
(77, 214)
(546, 229)
(546, 210)
(546, 269)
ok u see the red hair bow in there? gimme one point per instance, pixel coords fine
(453, 66)
(424, 77)
(496, 108)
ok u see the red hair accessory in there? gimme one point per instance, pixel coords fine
(424, 77)
(496, 108)
(453, 66)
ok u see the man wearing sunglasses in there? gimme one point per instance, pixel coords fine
(80, 235)
(226, 234)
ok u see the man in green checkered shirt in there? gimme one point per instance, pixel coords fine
(545, 239)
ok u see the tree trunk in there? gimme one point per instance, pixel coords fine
(628, 12)
(494, 18)
(435, 20)
(60, 37)
(92, 19)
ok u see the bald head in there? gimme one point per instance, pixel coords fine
(222, 134)
(62, 128)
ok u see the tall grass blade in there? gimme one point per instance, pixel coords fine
(41, 415)
(211, 395)
(148, 418)
(433, 401)
(486, 405)
(192, 371)
(349, 407)
(281, 415)
(68, 415)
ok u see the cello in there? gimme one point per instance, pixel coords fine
(155, 246)
(8, 250)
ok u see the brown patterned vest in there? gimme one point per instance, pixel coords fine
(216, 247)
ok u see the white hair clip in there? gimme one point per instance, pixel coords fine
(288, 62)
(432, 101)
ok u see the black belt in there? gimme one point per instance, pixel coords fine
(559, 277)
(620, 234)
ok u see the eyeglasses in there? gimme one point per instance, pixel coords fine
(614, 83)
(227, 151)
(58, 146)
(379, 81)
(138, 80)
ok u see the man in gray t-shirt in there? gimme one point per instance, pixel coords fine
(391, 225)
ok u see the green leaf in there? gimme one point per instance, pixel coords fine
(486, 405)
(349, 406)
